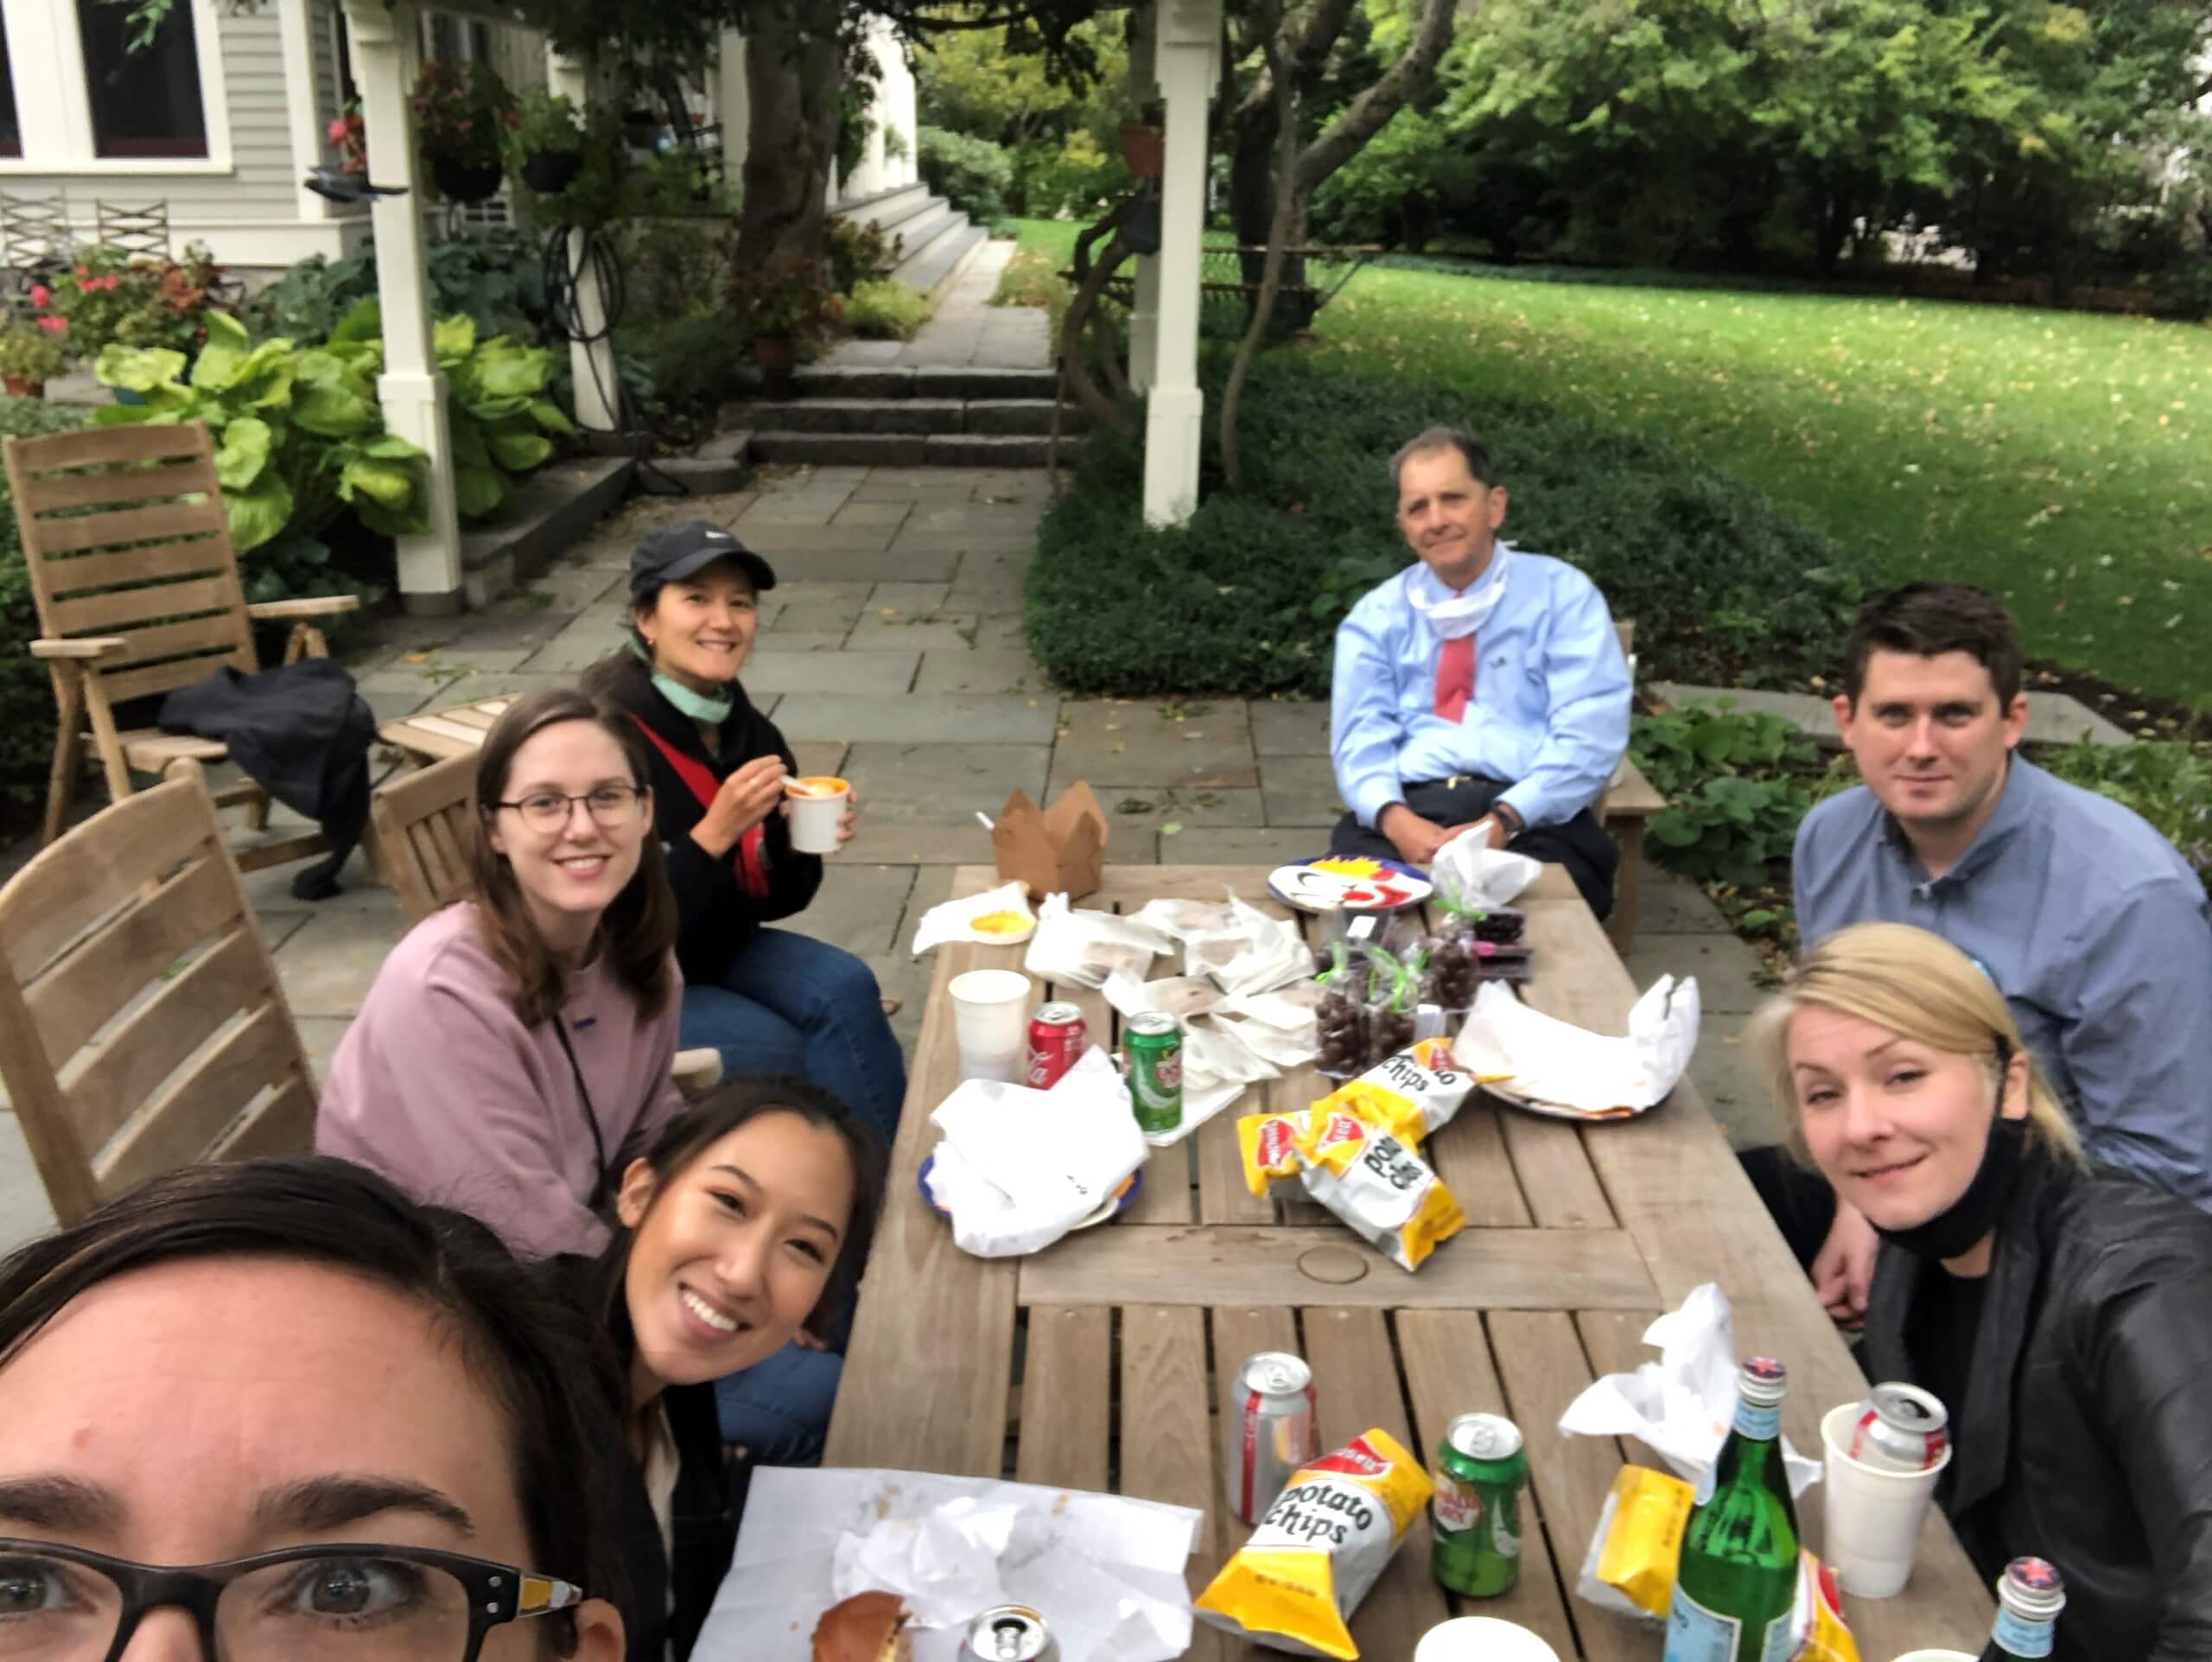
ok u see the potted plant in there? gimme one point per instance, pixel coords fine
(787, 309)
(30, 355)
(91, 299)
(545, 145)
(463, 113)
(1144, 144)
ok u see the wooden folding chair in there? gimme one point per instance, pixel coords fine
(138, 594)
(142, 1026)
(425, 824)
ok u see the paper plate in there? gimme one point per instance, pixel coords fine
(1334, 883)
(1553, 1111)
(1112, 1207)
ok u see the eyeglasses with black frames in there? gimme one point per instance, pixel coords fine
(348, 1603)
(611, 806)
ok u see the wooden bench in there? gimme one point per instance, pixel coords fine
(1100, 1362)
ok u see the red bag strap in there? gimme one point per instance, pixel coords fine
(750, 856)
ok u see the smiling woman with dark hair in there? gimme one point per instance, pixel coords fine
(516, 1045)
(275, 1410)
(745, 1226)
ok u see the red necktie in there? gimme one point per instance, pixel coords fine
(1455, 677)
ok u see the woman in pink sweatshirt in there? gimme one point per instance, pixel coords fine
(514, 1051)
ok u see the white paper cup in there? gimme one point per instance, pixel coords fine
(1874, 1516)
(990, 1013)
(1481, 1638)
(817, 804)
(1935, 1656)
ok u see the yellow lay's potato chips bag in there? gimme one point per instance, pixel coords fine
(1372, 1179)
(1409, 1095)
(1293, 1586)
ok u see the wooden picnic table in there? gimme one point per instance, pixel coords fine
(1099, 1363)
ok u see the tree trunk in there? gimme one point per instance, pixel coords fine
(794, 68)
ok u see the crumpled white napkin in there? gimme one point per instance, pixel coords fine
(944, 1565)
(1683, 1405)
(1252, 953)
(1017, 1169)
(1557, 1063)
(1483, 874)
(1086, 948)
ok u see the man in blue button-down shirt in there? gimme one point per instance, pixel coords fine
(2088, 921)
(1483, 686)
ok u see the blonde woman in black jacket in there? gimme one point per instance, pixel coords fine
(2063, 1312)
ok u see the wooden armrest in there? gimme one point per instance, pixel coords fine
(275, 611)
(89, 647)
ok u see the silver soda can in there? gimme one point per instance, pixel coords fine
(1012, 1632)
(1270, 1430)
(1900, 1427)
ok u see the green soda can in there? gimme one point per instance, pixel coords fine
(1475, 1549)
(1155, 1042)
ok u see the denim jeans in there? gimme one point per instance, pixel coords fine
(779, 1410)
(792, 1004)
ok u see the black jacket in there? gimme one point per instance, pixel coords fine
(2086, 1434)
(716, 917)
(663, 1605)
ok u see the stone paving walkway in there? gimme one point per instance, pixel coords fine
(891, 651)
(966, 331)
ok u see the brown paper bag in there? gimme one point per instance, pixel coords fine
(1061, 850)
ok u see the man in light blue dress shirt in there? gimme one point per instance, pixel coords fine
(2091, 924)
(1483, 686)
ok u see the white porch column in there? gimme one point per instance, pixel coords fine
(1144, 325)
(412, 390)
(732, 107)
(591, 363)
(1189, 34)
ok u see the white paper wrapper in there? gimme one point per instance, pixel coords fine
(1107, 1572)
(1682, 1405)
(1485, 875)
(1568, 1067)
(1086, 948)
(1017, 1169)
(955, 919)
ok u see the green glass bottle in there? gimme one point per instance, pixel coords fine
(1739, 1571)
(2030, 1595)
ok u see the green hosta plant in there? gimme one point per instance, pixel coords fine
(496, 403)
(299, 436)
(1736, 785)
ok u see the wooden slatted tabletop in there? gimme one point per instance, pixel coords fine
(1100, 1362)
(457, 731)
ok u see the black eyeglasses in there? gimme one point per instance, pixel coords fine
(609, 806)
(352, 1603)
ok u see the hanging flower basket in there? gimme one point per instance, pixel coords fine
(550, 172)
(1144, 149)
(465, 181)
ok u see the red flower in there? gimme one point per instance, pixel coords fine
(41, 295)
(55, 324)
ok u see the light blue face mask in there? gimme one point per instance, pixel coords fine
(699, 706)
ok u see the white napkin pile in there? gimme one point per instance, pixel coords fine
(1682, 1405)
(1563, 1066)
(1086, 948)
(1017, 1169)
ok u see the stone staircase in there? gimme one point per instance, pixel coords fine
(935, 239)
(902, 416)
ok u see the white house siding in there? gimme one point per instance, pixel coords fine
(252, 212)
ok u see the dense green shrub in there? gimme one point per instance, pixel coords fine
(1072, 176)
(859, 250)
(973, 174)
(1736, 784)
(686, 367)
(883, 310)
(1246, 597)
(26, 691)
(494, 275)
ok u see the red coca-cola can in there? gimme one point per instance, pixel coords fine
(1057, 1038)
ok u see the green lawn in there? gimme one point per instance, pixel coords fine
(2054, 456)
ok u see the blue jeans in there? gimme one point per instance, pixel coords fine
(792, 1004)
(779, 1410)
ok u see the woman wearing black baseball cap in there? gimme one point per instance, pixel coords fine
(770, 1001)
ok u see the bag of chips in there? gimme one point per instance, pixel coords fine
(1638, 1541)
(1372, 1179)
(1293, 1586)
(1410, 1094)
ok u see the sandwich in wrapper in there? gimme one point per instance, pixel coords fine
(1293, 1586)
(1370, 1178)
